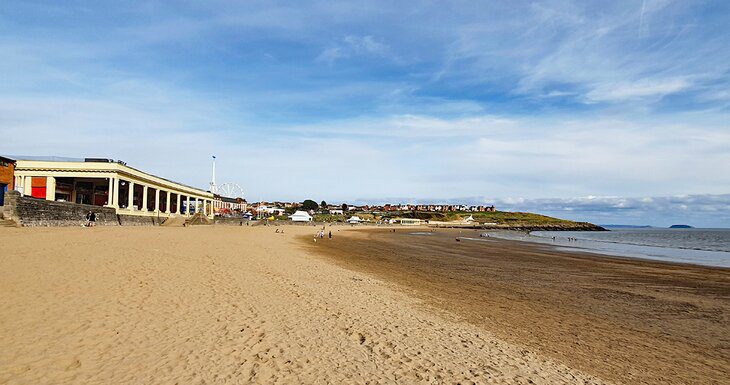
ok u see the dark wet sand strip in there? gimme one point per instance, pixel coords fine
(630, 321)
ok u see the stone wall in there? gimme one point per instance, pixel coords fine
(230, 221)
(136, 220)
(8, 210)
(33, 212)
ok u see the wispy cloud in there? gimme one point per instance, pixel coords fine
(623, 91)
(556, 98)
(352, 46)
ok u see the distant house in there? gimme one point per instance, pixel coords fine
(336, 211)
(262, 209)
(300, 216)
(354, 220)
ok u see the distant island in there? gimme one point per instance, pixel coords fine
(681, 227)
(627, 226)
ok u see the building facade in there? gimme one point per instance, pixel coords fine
(223, 206)
(7, 176)
(103, 182)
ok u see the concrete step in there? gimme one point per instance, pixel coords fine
(7, 223)
(178, 221)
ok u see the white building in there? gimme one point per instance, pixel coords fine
(109, 183)
(300, 216)
(263, 209)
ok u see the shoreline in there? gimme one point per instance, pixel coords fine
(607, 248)
(623, 319)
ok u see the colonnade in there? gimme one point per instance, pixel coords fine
(193, 202)
(197, 201)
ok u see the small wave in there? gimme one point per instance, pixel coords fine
(624, 242)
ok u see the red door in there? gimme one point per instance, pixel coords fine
(38, 187)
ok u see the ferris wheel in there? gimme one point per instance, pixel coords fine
(230, 190)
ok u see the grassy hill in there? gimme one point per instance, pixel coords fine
(497, 219)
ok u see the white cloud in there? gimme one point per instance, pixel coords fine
(351, 46)
(645, 88)
(366, 44)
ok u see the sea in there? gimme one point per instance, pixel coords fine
(707, 247)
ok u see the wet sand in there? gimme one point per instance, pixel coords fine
(628, 321)
(228, 305)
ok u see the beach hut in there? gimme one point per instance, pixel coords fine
(300, 216)
(354, 220)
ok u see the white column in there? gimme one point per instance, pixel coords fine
(18, 185)
(177, 206)
(205, 207)
(144, 198)
(130, 201)
(115, 201)
(157, 200)
(27, 185)
(196, 205)
(50, 188)
(109, 194)
(167, 206)
(187, 205)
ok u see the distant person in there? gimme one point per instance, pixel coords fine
(330, 235)
(91, 219)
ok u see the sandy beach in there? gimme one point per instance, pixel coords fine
(233, 305)
(625, 320)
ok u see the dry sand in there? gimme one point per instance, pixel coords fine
(625, 320)
(207, 305)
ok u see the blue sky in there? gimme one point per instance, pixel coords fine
(508, 102)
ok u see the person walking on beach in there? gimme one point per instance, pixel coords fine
(330, 234)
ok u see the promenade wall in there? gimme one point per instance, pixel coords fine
(33, 212)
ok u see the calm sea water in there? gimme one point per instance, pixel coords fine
(710, 247)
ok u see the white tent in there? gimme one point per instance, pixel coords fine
(354, 219)
(300, 216)
(470, 219)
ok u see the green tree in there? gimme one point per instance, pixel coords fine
(309, 205)
(344, 207)
(323, 205)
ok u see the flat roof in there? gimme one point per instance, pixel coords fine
(98, 161)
